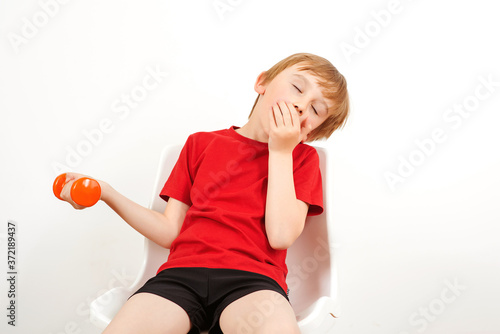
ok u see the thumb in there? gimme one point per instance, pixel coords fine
(305, 130)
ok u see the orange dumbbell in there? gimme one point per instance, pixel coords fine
(84, 191)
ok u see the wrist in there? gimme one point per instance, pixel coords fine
(106, 190)
(280, 158)
(280, 151)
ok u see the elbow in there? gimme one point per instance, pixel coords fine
(163, 238)
(280, 246)
(280, 242)
(162, 242)
(167, 240)
(165, 244)
(282, 237)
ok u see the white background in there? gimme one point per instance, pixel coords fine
(400, 247)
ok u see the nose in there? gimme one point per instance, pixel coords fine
(303, 116)
(301, 111)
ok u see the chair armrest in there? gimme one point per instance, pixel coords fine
(320, 317)
(104, 308)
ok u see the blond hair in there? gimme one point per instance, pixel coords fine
(334, 89)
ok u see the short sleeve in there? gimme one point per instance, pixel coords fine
(180, 181)
(308, 182)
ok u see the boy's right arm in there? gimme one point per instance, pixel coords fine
(161, 228)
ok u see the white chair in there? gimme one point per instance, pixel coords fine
(312, 276)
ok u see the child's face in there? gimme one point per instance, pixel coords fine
(299, 88)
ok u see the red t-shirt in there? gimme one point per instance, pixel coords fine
(222, 176)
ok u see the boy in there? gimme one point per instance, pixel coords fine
(236, 200)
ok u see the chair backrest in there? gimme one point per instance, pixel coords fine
(309, 259)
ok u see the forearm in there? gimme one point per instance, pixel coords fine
(284, 216)
(151, 224)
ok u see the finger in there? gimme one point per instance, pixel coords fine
(67, 197)
(285, 111)
(71, 177)
(278, 115)
(305, 130)
(294, 114)
(66, 192)
(77, 207)
(272, 119)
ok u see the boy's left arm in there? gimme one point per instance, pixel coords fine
(285, 214)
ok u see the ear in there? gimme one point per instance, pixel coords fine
(259, 86)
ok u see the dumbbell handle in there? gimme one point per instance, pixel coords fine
(84, 191)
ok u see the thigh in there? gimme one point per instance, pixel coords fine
(151, 314)
(263, 311)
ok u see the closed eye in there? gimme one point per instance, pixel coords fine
(297, 88)
(314, 110)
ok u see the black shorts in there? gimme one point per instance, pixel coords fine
(204, 293)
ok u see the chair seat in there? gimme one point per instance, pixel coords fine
(317, 318)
